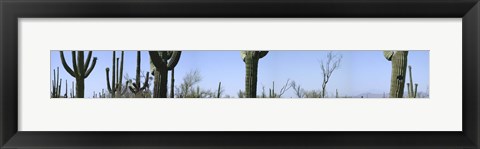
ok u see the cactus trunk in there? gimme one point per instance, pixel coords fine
(80, 88)
(251, 64)
(399, 67)
(251, 59)
(160, 88)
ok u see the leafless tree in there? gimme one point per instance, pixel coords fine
(187, 87)
(331, 64)
(299, 92)
(282, 91)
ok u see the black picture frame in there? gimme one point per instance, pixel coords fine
(11, 10)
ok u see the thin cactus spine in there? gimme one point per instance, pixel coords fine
(162, 62)
(399, 66)
(251, 59)
(81, 71)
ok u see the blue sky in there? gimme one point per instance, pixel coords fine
(360, 71)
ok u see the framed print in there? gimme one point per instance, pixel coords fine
(201, 74)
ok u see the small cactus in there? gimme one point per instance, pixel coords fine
(162, 61)
(56, 85)
(66, 89)
(412, 93)
(219, 90)
(336, 93)
(81, 69)
(251, 59)
(399, 66)
(72, 90)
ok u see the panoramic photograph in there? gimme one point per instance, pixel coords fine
(230, 74)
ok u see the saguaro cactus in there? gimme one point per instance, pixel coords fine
(56, 85)
(115, 89)
(135, 87)
(219, 90)
(72, 90)
(251, 59)
(412, 93)
(81, 69)
(399, 66)
(162, 62)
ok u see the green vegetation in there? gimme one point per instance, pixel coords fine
(81, 71)
(136, 87)
(163, 61)
(251, 59)
(56, 85)
(115, 89)
(399, 66)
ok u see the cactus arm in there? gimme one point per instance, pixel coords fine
(57, 78)
(172, 84)
(409, 91)
(145, 84)
(74, 61)
(137, 74)
(156, 59)
(388, 55)
(59, 89)
(117, 74)
(174, 60)
(108, 80)
(87, 62)
(132, 88)
(415, 91)
(113, 75)
(120, 78)
(65, 65)
(165, 55)
(91, 67)
(243, 54)
(262, 54)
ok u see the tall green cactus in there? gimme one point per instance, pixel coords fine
(66, 89)
(72, 90)
(81, 69)
(172, 83)
(219, 90)
(162, 62)
(136, 88)
(251, 59)
(412, 93)
(115, 89)
(56, 85)
(399, 67)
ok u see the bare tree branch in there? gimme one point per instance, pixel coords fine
(331, 64)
